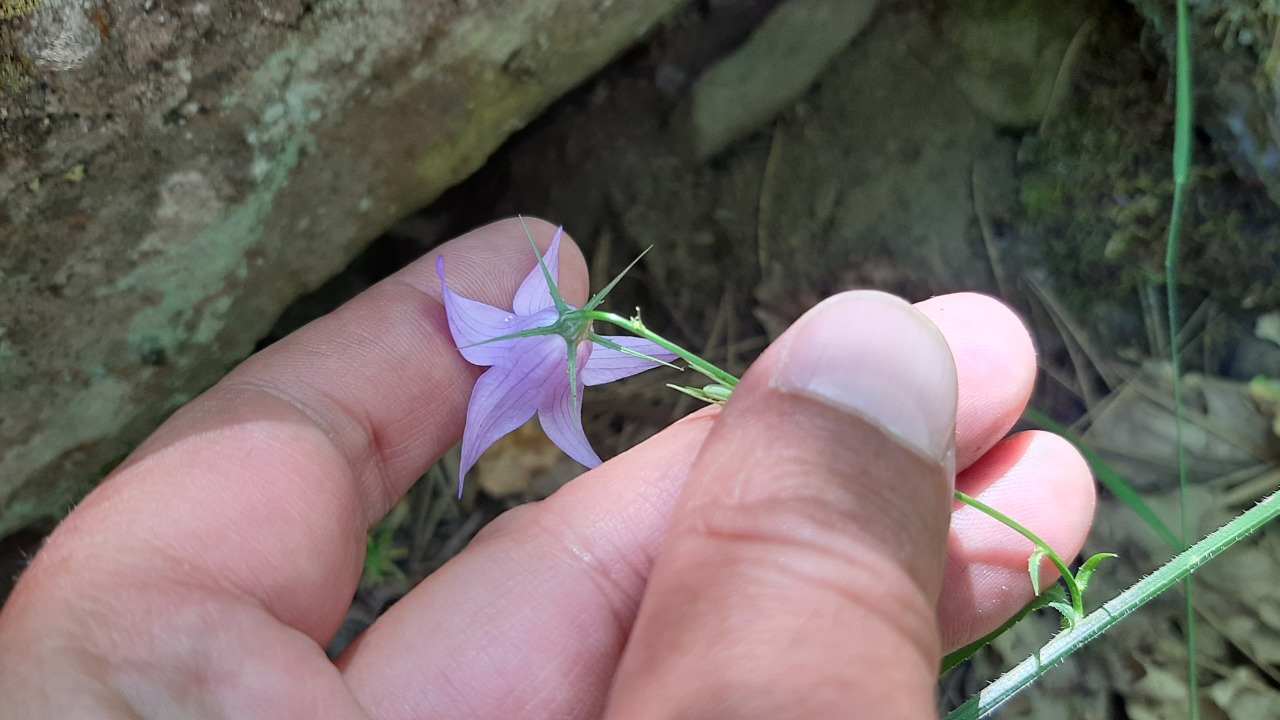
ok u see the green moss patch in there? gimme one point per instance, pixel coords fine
(1096, 188)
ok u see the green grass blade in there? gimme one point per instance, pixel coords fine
(1109, 478)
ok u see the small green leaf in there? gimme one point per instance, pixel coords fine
(1069, 616)
(1085, 573)
(381, 550)
(1033, 568)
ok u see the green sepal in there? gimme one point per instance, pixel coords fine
(573, 383)
(596, 299)
(719, 392)
(552, 329)
(605, 342)
(561, 305)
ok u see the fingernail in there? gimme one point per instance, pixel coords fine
(875, 356)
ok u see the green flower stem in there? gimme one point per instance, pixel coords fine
(1077, 597)
(636, 327)
(1138, 594)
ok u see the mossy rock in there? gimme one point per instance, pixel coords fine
(1097, 191)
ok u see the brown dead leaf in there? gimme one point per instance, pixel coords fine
(524, 463)
(1225, 430)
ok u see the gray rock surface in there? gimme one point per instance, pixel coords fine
(174, 172)
(1014, 54)
(772, 69)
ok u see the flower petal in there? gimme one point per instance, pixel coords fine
(607, 364)
(472, 322)
(534, 295)
(509, 393)
(561, 417)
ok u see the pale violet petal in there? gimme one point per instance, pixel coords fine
(509, 393)
(561, 419)
(472, 323)
(534, 295)
(607, 364)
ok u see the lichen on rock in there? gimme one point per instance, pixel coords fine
(173, 173)
(18, 8)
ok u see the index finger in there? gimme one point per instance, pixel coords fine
(266, 484)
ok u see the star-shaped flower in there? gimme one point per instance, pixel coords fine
(540, 355)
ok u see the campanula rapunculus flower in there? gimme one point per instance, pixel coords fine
(540, 355)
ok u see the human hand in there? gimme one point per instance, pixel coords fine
(782, 557)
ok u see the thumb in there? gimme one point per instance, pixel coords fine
(803, 563)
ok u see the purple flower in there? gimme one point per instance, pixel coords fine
(540, 355)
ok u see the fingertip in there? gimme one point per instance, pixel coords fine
(995, 362)
(969, 310)
(489, 263)
(1039, 476)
